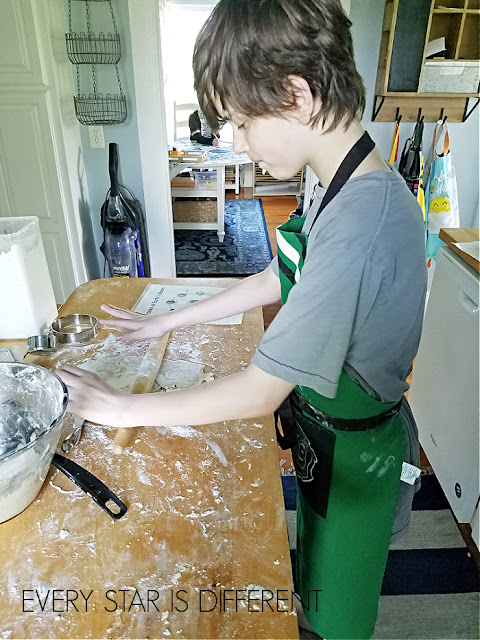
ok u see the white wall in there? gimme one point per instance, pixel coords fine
(367, 18)
(125, 134)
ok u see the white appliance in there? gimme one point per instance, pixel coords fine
(444, 394)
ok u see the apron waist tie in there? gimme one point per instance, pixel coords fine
(295, 402)
(343, 424)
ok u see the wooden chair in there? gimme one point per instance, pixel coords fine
(181, 113)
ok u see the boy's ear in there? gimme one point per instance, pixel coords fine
(304, 100)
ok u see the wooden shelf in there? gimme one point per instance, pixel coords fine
(408, 27)
(469, 44)
(266, 185)
(419, 94)
(447, 11)
(449, 5)
(433, 107)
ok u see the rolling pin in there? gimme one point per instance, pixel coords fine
(142, 384)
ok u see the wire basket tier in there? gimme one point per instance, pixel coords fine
(98, 109)
(89, 48)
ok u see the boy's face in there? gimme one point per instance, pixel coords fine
(276, 144)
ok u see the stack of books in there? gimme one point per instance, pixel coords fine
(187, 155)
(229, 174)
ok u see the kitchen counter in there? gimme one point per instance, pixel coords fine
(205, 516)
(450, 236)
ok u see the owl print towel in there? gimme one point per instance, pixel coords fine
(441, 192)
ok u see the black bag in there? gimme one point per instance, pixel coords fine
(410, 165)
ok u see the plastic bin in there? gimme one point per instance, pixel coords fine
(460, 76)
(26, 292)
(206, 180)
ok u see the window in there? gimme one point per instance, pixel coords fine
(182, 23)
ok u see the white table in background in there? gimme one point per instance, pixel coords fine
(217, 158)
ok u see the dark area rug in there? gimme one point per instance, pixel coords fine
(430, 588)
(245, 250)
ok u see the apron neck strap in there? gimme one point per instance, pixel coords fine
(352, 161)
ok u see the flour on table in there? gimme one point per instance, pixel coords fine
(218, 451)
(181, 430)
(181, 374)
(118, 371)
(118, 363)
(110, 347)
(186, 431)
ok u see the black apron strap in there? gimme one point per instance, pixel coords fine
(352, 161)
(284, 414)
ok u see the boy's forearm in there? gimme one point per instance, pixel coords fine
(248, 394)
(255, 291)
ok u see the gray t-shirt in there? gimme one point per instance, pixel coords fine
(359, 302)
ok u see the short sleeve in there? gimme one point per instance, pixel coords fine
(274, 265)
(308, 341)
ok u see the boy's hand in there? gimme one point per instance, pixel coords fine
(93, 399)
(138, 325)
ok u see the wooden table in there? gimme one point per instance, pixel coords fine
(205, 515)
(450, 236)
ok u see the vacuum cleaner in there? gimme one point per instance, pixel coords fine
(125, 242)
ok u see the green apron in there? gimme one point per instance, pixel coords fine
(348, 454)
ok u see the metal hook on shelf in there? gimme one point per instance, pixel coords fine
(376, 110)
(467, 113)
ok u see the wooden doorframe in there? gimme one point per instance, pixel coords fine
(144, 19)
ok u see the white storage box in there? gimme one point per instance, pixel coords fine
(205, 179)
(451, 76)
(26, 292)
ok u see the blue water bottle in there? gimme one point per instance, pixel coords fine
(120, 250)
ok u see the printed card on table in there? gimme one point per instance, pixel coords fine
(163, 298)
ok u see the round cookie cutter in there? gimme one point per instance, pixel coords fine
(45, 342)
(76, 328)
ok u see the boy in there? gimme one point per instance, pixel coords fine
(351, 277)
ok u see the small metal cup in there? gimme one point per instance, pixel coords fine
(76, 328)
(45, 342)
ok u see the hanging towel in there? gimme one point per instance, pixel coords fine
(441, 191)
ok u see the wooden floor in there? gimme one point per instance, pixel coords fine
(277, 209)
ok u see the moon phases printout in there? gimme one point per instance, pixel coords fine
(160, 298)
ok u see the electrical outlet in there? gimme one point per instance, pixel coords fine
(97, 141)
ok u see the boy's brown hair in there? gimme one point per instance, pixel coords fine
(247, 49)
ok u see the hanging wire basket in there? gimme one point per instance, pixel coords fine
(99, 109)
(89, 48)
